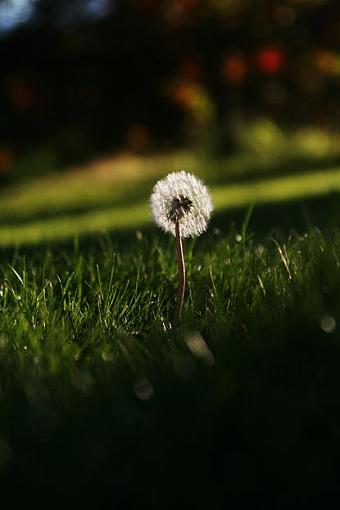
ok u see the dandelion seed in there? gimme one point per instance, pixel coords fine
(181, 205)
(143, 388)
(139, 235)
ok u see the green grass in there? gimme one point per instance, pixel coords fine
(89, 298)
(89, 365)
(78, 206)
(101, 401)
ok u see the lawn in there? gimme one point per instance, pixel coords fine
(112, 194)
(100, 399)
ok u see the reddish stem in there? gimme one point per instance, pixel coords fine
(181, 274)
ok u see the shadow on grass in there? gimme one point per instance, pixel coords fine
(280, 219)
(129, 197)
(197, 440)
(240, 170)
(285, 217)
(218, 172)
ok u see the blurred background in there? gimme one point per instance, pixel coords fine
(85, 82)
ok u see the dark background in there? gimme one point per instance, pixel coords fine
(84, 77)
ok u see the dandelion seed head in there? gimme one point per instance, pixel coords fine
(181, 197)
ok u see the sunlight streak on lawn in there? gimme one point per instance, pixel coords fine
(137, 214)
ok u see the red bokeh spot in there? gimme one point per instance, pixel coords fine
(270, 60)
(234, 69)
(184, 5)
(6, 160)
(182, 94)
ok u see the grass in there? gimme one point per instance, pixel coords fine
(96, 391)
(100, 401)
(51, 209)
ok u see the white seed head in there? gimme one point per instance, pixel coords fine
(181, 197)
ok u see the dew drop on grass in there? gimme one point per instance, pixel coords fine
(143, 388)
(327, 324)
(76, 356)
(199, 348)
(259, 250)
(107, 356)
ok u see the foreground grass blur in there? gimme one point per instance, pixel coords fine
(89, 364)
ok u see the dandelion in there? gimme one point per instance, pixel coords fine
(181, 205)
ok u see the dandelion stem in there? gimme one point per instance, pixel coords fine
(181, 274)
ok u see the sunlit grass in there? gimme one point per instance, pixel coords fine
(136, 213)
(91, 298)
(102, 182)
